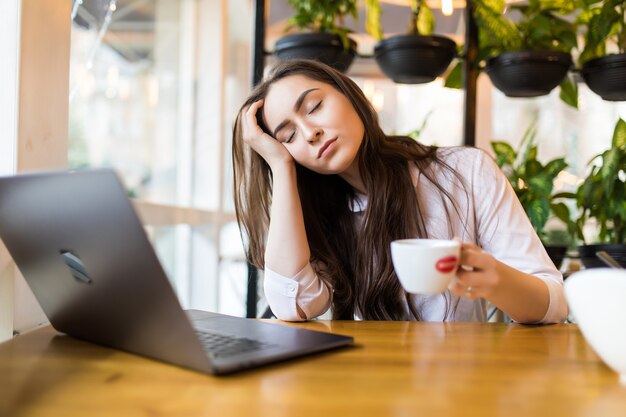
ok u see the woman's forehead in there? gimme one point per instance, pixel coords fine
(293, 85)
(283, 94)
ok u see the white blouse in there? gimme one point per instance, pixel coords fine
(489, 215)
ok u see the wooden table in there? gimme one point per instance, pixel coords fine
(395, 369)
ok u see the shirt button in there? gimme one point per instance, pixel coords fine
(291, 289)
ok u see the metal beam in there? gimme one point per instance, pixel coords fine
(258, 43)
(258, 64)
(470, 76)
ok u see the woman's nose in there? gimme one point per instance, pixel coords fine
(314, 133)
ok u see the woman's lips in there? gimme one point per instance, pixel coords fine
(325, 147)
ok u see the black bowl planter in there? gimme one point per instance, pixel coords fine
(606, 76)
(414, 59)
(528, 73)
(324, 47)
(556, 254)
(590, 260)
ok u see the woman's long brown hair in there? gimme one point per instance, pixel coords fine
(354, 258)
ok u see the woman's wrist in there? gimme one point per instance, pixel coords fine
(524, 297)
(283, 167)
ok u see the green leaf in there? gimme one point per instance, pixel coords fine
(541, 185)
(538, 212)
(619, 135)
(496, 6)
(504, 151)
(526, 143)
(320, 16)
(569, 91)
(598, 31)
(533, 167)
(554, 167)
(561, 211)
(426, 20)
(372, 20)
(609, 169)
(585, 192)
(539, 28)
(454, 79)
(564, 195)
(562, 6)
(495, 31)
(584, 17)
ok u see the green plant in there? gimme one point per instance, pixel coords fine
(421, 21)
(541, 26)
(325, 16)
(602, 195)
(533, 182)
(605, 24)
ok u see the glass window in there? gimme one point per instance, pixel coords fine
(429, 112)
(561, 130)
(154, 86)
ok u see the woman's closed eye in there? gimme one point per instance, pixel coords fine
(316, 107)
(292, 135)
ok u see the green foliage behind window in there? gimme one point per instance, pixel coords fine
(421, 19)
(325, 16)
(533, 182)
(604, 22)
(602, 196)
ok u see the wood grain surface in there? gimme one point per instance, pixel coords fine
(394, 369)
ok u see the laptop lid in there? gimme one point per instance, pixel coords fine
(83, 251)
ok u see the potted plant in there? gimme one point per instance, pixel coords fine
(415, 57)
(322, 37)
(533, 183)
(602, 197)
(603, 57)
(531, 56)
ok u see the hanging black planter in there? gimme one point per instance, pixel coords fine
(324, 47)
(528, 73)
(606, 76)
(414, 59)
(590, 260)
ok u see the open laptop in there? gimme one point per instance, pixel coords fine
(83, 251)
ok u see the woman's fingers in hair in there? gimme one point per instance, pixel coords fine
(251, 128)
(271, 150)
(254, 107)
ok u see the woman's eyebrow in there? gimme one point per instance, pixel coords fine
(296, 108)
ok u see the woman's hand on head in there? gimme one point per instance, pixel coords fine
(271, 150)
(478, 275)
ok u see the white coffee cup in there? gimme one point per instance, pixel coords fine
(425, 266)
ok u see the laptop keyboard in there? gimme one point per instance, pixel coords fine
(224, 346)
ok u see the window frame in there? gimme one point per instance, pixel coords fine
(35, 118)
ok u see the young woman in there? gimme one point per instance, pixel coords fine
(321, 191)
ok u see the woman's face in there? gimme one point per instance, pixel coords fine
(316, 123)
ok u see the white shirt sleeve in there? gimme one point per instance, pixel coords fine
(505, 231)
(305, 290)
